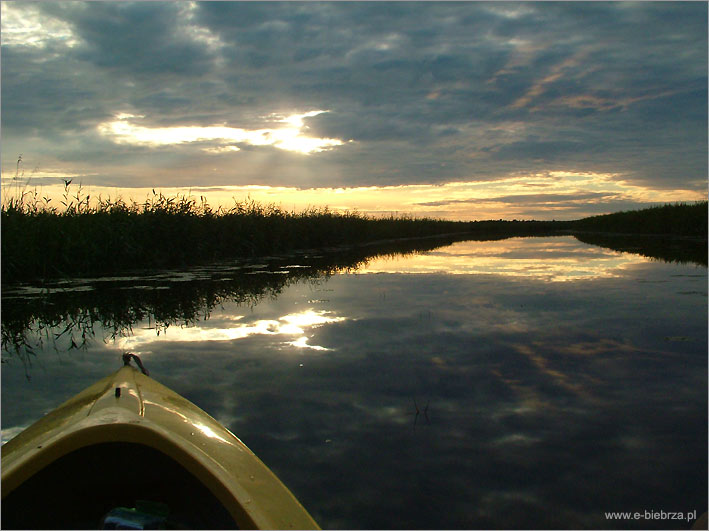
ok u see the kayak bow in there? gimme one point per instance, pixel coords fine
(127, 439)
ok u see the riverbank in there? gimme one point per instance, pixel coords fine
(688, 220)
(110, 237)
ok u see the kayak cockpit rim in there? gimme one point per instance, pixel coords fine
(130, 435)
(132, 409)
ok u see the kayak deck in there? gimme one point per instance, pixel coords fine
(128, 438)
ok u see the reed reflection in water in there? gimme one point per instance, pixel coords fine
(547, 402)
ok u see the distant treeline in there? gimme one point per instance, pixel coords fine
(679, 219)
(111, 236)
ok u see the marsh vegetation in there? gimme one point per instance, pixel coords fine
(95, 236)
(677, 219)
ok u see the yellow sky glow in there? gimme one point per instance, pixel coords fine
(221, 151)
(548, 195)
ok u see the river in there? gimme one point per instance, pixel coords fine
(516, 383)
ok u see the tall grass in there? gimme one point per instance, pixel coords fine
(81, 236)
(103, 236)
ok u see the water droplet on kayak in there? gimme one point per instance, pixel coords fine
(191, 433)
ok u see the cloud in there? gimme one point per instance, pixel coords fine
(428, 92)
(137, 38)
(290, 137)
(529, 199)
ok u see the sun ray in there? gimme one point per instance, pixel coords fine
(123, 129)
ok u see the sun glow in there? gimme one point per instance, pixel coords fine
(123, 129)
(556, 193)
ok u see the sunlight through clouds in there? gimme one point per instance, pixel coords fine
(556, 194)
(461, 110)
(30, 27)
(290, 137)
(197, 32)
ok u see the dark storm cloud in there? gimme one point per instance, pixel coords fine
(428, 92)
(38, 94)
(133, 37)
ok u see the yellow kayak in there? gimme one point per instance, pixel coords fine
(129, 453)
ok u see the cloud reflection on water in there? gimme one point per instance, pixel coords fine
(555, 259)
(295, 324)
(549, 402)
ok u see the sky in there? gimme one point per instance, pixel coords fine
(455, 110)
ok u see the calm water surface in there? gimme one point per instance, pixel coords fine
(521, 383)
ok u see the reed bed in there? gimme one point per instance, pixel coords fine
(106, 236)
(82, 237)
